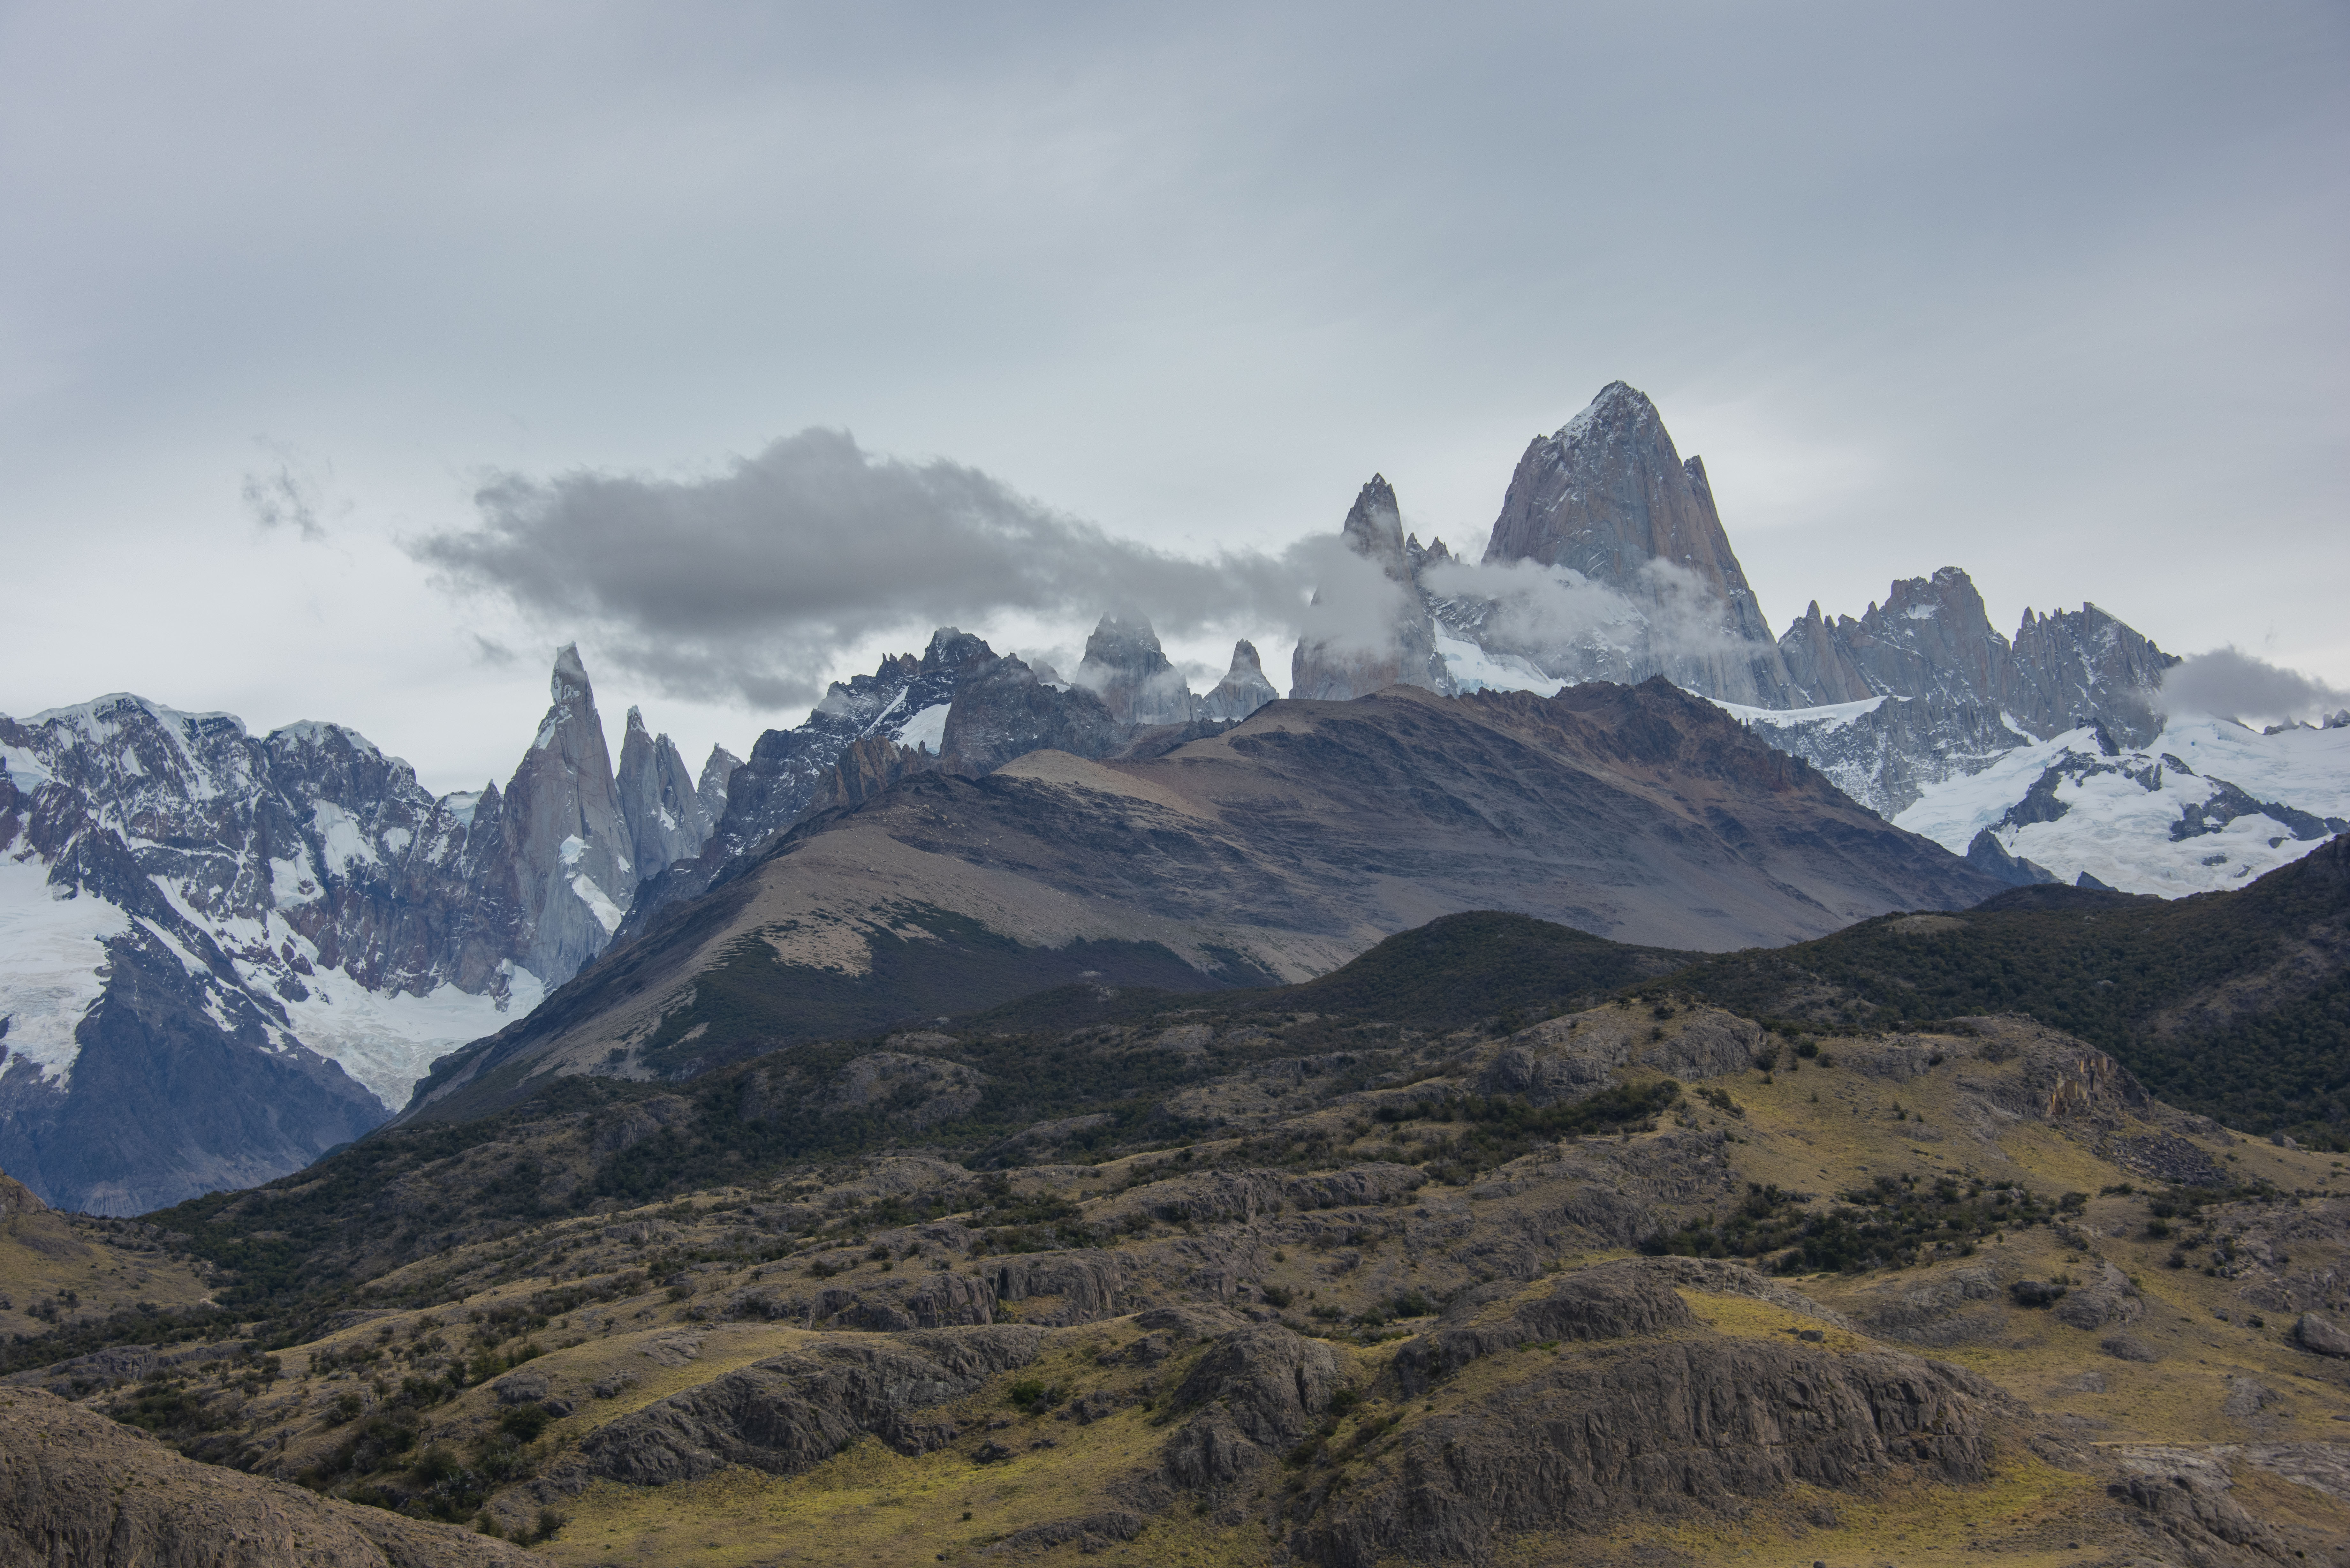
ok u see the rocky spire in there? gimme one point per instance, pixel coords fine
(1127, 668)
(1388, 647)
(711, 787)
(566, 835)
(1819, 664)
(666, 820)
(1243, 689)
(1608, 497)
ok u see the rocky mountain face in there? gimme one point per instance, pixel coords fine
(1376, 644)
(1242, 691)
(1281, 846)
(1127, 668)
(661, 804)
(1609, 500)
(226, 953)
(904, 702)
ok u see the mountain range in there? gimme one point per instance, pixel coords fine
(224, 954)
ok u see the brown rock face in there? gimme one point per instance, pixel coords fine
(77, 1489)
(1609, 498)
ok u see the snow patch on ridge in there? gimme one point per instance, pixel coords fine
(927, 728)
(1474, 670)
(1830, 716)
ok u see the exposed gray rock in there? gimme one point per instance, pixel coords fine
(1002, 711)
(1607, 496)
(1090, 1534)
(789, 770)
(790, 1413)
(2110, 1300)
(1257, 1392)
(666, 818)
(1127, 668)
(1243, 691)
(2319, 1334)
(1611, 1301)
(1688, 1425)
(1960, 1304)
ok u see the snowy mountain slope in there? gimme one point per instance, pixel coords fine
(2206, 804)
(222, 954)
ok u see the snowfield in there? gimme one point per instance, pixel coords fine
(2124, 819)
(51, 956)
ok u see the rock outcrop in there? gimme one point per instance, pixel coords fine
(564, 829)
(790, 1413)
(904, 702)
(1002, 711)
(1677, 1424)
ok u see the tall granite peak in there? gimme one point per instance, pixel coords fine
(1374, 528)
(1607, 497)
(1243, 691)
(1396, 645)
(565, 832)
(666, 819)
(1126, 667)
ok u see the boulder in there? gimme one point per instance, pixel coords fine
(2320, 1334)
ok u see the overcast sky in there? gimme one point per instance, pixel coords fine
(299, 304)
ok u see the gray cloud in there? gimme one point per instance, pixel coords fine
(750, 584)
(2229, 683)
(1541, 608)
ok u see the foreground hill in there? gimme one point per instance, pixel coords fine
(1272, 851)
(1639, 1283)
